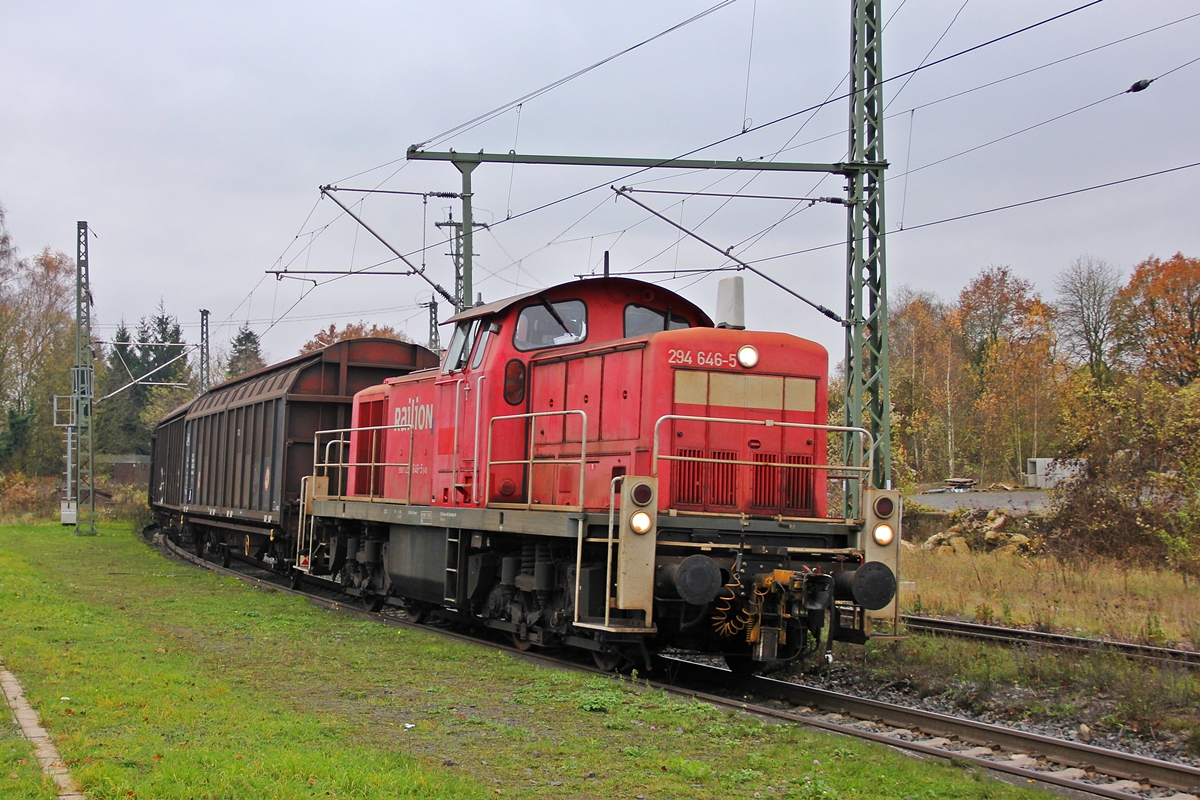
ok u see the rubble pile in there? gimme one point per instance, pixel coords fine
(981, 534)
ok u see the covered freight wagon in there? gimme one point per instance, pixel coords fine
(227, 466)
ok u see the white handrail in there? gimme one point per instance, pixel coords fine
(372, 464)
(864, 473)
(530, 461)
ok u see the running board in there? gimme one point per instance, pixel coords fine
(614, 628)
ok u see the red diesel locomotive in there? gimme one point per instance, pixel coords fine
(596, 465)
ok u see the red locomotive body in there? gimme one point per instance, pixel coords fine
(595, 464)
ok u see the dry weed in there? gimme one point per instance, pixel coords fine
(1088, 597)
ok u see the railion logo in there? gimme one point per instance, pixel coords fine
(418, 417)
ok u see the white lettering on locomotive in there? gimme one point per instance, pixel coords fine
(418, 417)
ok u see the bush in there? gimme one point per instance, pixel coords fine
(1139, 495)
(129, 504)
(22, 497)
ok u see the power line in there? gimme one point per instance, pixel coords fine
(986, 211)
(1009, 135)
(818, 106)
(482, 118)
(953, 20)
(1013, 76)
(836, 200)
(470, 124)
(1052, 196)
(1137, 87)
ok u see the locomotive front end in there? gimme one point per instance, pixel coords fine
(765, 551)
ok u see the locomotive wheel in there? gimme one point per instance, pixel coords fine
(225, 558)
(372, 602)
(295, 578)
(415, 611)
(606, 660)
(521, 644)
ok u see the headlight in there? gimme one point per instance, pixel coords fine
(642, 494)
(883, 534)
(639, 521)
(747, 355)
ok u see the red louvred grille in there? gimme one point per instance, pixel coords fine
(722, 484)
(780, 489)
(766, 481)
(712, 485)
(687, 478)
(798, 486)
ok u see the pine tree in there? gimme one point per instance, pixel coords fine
(246, 355)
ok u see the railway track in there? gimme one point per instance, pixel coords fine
(1056, 762)
(972, 630)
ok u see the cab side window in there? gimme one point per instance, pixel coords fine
(465, 334)
(548, 324)
(640, 320)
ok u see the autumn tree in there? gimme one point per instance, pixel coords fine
(245, 354)
(352, 330)
(932, 389)
(1160, 308)
(991, 306)
(1088, 314)
(1138, 492)
(1018, 406)
(36, 350)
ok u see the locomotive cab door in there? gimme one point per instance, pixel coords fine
(461, 390)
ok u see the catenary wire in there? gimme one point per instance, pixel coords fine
(479, 120)
(802, 111)
(1013, 76)
(904, 85)
(993, 210)
(489, 115)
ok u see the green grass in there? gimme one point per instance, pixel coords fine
(20, 776)
(185, 685)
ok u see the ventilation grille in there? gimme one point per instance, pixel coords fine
(780, 489)
(723, 479)
(687, 478)
(798, 487)
(707, 484)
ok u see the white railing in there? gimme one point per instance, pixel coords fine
(339, 470)
(861, 474)
(529, 463)
(335, 472)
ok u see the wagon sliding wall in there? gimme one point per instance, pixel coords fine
(233, 458)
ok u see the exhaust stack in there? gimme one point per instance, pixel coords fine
(731, 303)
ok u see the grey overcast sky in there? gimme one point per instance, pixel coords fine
(193, 137)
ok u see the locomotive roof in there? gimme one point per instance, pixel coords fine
(578, 287)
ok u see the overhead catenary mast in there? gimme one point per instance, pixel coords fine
(205, 379)
(83, 383)
(868, 392)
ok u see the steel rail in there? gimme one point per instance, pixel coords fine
(974, 630)
(1181, 777)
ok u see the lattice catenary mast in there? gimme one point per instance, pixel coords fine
(83, 384)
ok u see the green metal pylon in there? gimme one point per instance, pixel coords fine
(868, 394)
(83, 384)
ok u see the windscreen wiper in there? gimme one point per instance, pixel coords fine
(554, 314)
